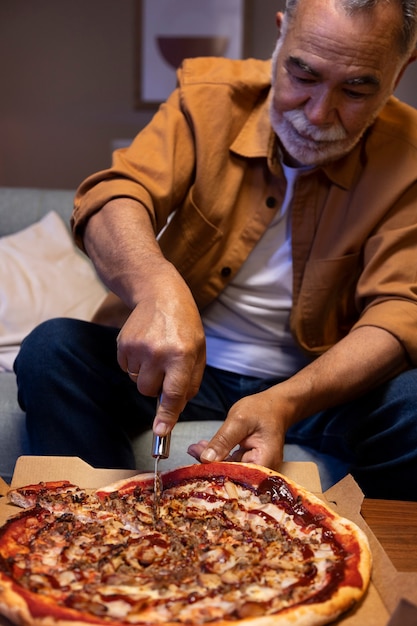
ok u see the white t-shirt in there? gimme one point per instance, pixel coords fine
(247, 327)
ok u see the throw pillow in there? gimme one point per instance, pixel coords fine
(42, 275)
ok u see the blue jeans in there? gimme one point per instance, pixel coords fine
(78, 402)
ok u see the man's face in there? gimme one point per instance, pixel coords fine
(332, 74)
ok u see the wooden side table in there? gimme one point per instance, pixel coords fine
(394, 523)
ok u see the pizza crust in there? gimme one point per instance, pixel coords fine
(12, 605)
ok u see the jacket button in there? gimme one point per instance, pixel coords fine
(271, 202)
(226, 271)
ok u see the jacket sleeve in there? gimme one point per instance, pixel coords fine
(387, 288)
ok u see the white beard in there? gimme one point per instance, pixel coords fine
(308, 144)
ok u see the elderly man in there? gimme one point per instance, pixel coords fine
(281, 295)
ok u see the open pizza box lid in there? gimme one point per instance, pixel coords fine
(390, 591)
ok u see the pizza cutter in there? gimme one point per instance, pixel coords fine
(160, 450)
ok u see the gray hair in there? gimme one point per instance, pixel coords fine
(408, 32)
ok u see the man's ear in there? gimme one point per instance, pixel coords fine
(411, 59)
(279, 19)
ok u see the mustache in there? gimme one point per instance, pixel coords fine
(301, 124)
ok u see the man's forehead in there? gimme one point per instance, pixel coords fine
(355, 41)
(310, 14)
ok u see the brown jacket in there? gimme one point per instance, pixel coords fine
(210, 156)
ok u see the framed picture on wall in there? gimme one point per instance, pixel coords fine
(167, 31)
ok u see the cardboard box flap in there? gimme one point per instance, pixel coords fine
(35, 469)
(404, 615)
(304, 473)
(4, 487)
(393, 586)
(346, 496)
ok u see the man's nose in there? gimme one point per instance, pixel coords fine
(321, 108)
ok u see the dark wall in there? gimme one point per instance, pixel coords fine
(67, 72)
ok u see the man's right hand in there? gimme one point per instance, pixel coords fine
(162, 343)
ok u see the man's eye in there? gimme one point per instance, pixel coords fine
(305, 80)
(356, 95)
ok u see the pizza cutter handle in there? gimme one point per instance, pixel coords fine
(160, 446)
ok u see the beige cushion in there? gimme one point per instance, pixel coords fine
(42, 275)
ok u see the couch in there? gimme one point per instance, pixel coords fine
(25, 301)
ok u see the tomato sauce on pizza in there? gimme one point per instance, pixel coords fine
(233, 544)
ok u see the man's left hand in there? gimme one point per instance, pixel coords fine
(251, 433)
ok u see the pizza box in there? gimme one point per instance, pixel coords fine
(391, 596)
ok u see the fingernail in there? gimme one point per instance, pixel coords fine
(209, 454)
(161, 429)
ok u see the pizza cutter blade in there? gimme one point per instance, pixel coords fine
(160, 450)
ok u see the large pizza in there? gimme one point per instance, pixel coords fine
(231, 544)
